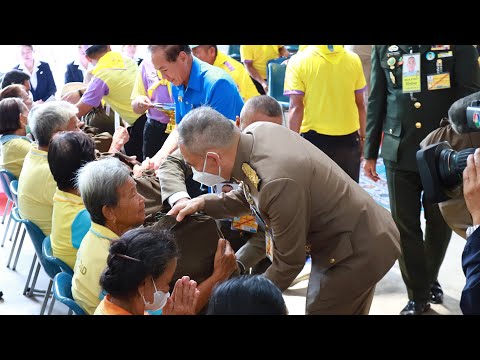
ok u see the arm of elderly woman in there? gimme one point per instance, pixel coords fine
(184, 298)
(224, 264)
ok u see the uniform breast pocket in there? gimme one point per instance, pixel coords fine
(394, 75)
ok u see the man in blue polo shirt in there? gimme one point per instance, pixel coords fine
(195, 83)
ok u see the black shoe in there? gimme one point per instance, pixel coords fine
(415, 308)
(436, 293)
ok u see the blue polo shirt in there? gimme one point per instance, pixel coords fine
(208, 85)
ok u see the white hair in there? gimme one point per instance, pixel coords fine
(47, 119)
(98, 182)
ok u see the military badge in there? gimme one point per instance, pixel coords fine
(251, 175)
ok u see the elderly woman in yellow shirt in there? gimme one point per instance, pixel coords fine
(68, 152)
(140, 267)
(14, 143)
(110, 196)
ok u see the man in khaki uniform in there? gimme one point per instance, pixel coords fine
(176, 184)
(305, 201)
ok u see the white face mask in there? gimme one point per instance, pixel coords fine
(205, 177)
(159, 299)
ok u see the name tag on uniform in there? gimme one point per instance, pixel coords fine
(245, 223)
(445, 54)
(411, 73)
(269, 244)
(438, 81)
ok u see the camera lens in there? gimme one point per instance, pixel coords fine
(451, 165)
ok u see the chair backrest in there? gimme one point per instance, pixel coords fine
(62, 291)
(234, 52)
(276, 79)
(37, 236)
(6, 177)
(14, 191)
(48, 253)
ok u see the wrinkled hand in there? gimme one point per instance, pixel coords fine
(184, 298)
(225, 262)
(187, 208)
(120, 137)
(370, 169)
(471, 186)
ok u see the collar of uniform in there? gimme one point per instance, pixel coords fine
(244, 152)
(423, 48)
(195, 80)
(103, 232)
(220, 59)
(34, 150)
(64, 196)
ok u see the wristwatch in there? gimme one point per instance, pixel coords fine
(471, 229)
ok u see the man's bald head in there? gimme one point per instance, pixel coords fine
(260, 108)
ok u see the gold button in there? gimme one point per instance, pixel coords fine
(417, 105)
(332, 260)
(391, 131)
(418, 125)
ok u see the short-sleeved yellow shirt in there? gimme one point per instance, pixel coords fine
(329, 83)
(91, 261)
(259, 55)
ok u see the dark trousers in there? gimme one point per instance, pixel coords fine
(153, 137)
(259, 86)
(421, 259)
(344, 150)
(134, 146)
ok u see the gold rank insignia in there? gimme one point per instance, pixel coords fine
(251, 175)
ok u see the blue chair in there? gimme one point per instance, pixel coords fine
(48, 254)
(37, 236)
(6, 177)
(18, 224)
(62, 291)
(292, 49)
(276, 80)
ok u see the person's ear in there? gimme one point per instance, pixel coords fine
(237, 121)
(108, 213)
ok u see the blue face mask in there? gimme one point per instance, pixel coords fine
(159, 299)
(205, 177)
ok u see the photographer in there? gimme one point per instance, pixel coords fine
(470, 300)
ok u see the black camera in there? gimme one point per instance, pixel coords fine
(441, 169)
(440, 166)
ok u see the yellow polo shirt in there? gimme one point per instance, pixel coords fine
(91, 261)
(259, 56)
(113, 80)
(240, 75)
(13, 154)
(70, 223)
(328, 81)
(36, 187)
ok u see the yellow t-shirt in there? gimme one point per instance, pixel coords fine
(328, 81)
(259, 56)
(13, 154)
(91, 261)
(240, 75)
(70, 222)
(36, 187)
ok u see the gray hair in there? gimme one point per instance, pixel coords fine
(98, 182)
(47, 119)
(262, 103)
(204, 128)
